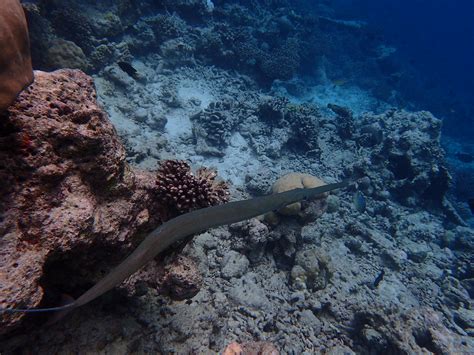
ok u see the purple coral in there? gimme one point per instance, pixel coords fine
(182, 191)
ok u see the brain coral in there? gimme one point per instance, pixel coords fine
(66, 54)
(294, 181)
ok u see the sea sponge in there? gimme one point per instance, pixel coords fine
(294, 181)
(182, 191)
(15, 60)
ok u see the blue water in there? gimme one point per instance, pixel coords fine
(436, 37)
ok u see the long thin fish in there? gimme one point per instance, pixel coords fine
(183, 226)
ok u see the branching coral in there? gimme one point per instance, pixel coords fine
(303, 121)
(216, 123)
(272, 110)
(282, 62)
(182, 191)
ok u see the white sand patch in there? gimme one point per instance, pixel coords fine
(358, 100)
(239, 160)
(191, 90)
(178, 125)
(124, 126)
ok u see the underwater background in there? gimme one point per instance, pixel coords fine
(435, 37)
(145, 110)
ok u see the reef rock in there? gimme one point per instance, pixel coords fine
(178, 278)
(15, 60)
(70, 205)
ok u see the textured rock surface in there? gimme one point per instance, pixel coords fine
(15, 60)
(180, 280)
(70, 204)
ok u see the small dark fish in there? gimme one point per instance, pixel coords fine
(470, 202)
(379, 279)
(359, 202)
(465, 157)
(129, 69)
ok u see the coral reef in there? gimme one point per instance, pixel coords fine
(345, 120)
(15, 61)
(217, 123)
(254, 237)
(68, 198)
(257, 89)
(303, 120)
(177, 278)
(248, 288)
(312, 270)
(275, 51)
(71, 22)
(166, 26)
(299, 121)
(214, 126)
(410, 154)
(271, 110)
(281, 63)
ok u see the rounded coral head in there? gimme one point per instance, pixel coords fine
(15, 60)
(293, 181)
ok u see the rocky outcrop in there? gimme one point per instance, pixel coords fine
(15, 60)
(70, 205)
